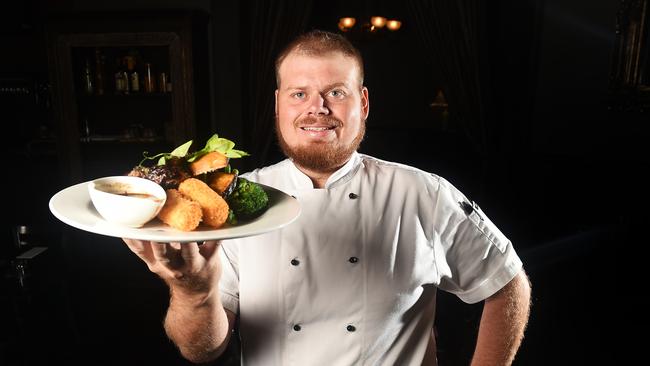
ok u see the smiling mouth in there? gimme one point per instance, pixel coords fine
(317, 129)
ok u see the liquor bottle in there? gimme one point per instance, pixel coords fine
(87, 79)
(162, 83)
(132, 74)
(149, 85)
(100, 61)
(120, 82)
(125, 76)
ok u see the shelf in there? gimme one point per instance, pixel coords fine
(120, 139)
(124, 96)
(110, 128)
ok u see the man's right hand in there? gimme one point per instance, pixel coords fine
(196, 320)
(188, 268)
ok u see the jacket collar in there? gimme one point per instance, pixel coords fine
(342, 175)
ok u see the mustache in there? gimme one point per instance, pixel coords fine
(324, 120)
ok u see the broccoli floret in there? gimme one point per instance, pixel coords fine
(248, 200)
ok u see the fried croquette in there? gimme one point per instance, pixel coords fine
(215, 208)
(180, 212)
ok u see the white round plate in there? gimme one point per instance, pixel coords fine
(72, 205)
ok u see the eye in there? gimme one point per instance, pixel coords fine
(298, 95)
(336, 93)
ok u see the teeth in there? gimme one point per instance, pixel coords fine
(315, 128)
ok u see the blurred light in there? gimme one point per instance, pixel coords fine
(375, 24)
(393, 24)
(346, 23)
(378, 22)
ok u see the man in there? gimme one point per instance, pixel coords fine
(353, 280)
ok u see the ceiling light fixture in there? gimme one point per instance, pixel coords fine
(375, 23)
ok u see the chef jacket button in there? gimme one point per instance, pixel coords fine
(351, 328)
(353, 259)
(297, 327)
(353, 196)
(295, 262)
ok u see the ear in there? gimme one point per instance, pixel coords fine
(365, 103)
(276, 102)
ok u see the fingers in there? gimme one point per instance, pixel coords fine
(141, 248)
(208, 248)
(173, 256)
(163, 253)
(190, 253)
(194, 253)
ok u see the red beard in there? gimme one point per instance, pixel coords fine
(325, 157)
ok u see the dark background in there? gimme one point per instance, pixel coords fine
(562, 176)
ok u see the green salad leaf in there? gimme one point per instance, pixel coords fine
(214, 143)
(220, 144)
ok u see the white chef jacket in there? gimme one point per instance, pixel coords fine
(353, 280)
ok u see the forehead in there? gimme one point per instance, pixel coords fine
(335, 67)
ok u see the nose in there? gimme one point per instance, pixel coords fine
(318, 106)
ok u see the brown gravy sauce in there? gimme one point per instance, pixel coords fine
(123, 190)
(139, 195)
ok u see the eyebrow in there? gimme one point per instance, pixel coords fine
(334, 85)
(327, 87)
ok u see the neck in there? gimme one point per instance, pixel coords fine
(318, 178)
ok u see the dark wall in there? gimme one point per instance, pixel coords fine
(85, 299)
(563, 183)
(573, 193)
(576, 50)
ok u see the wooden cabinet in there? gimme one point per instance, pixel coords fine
(123, 84)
